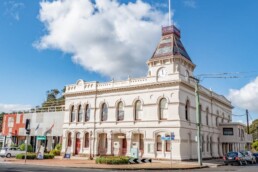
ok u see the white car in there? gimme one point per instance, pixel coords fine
(9, 152)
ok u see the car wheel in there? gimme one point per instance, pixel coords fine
(8, 155)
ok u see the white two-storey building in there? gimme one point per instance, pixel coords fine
(113, 117)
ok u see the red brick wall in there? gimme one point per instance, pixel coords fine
(16, 124)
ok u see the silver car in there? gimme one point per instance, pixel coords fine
(249, 157)
(10, 152)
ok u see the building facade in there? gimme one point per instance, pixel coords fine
(111, 118)
(46, 128)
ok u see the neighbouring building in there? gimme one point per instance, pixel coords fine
(234, 137)
(46, 128)
(12, 123)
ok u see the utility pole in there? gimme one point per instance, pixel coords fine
(247, 121)
(198, 120)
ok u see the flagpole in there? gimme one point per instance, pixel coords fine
(169, 12)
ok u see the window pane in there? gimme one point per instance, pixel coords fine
(87, 113)
(163, 106)
(159, 143)
(120, 112)
(138, 108)
(228, 131)
(104, 112)
(72, 114)
(168, 144)
(80, 114)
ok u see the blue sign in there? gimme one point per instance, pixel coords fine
(172, 136)
(165, 138)
(68, 156)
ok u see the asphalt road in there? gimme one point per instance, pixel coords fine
(245, 168)
(8, 167)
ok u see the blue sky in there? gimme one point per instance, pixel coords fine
(220, 36)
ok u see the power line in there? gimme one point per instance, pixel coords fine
(226, 73)
(238, 115)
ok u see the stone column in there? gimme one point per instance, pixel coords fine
(73, 143)
(110, 144)
(128, 151)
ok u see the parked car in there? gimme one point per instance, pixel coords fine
(256, 156)
(249, 157)
(9, 152)
(234, 158)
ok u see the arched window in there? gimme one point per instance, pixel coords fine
(202, 143)
(217, 119)
(207, 116)
(86, 140)
(187, 105)
(87, 113)
(69, 140)
(138, 110)
(168, 148)
(200, 111)
(120, 111)
(187, 75)
(104, 112)
(163, 106)
(159, 143)
(72, 114)
(207, 144)
(79, 113)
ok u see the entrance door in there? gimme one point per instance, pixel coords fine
(77, 144)
(102, 146)
(124, 146)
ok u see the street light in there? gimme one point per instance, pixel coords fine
(198, 119)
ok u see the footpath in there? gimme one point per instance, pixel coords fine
(79, 162)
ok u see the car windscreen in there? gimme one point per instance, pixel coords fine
(232, 154)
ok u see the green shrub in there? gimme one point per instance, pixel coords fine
(55, 152)
(29, 156)
(255, 145)
(58, 147)
(49, 156)
(112, 160)
(22, 147)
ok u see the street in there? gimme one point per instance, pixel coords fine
(9, 167)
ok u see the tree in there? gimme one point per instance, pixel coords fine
(255, 145)
(254, 129)
(53, 98)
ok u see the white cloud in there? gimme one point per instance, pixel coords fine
(13, 107)
(246, 97)
(13, 9)
(190, 3)
(112, 39)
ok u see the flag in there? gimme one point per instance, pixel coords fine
(36, 130)
(49, 130)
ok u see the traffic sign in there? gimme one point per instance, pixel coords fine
(41, 137)
(165, 138)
